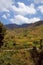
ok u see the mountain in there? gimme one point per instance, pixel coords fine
(13, 26)
(38, 23)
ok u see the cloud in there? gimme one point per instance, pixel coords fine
(19, 19)
(5, 5)
(38, 1)
(4, 16)
(23, 9)
(19, 11)
(41, 8)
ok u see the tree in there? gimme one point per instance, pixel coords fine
(8, 64)
(2, 33)
(37, 54)
(35, 43)
(41, 45)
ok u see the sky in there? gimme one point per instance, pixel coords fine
(21, 11)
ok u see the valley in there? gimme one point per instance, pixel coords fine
(22, 45)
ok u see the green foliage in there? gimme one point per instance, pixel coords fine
(41, 43)
(18, 40)
(37, 54)
(15, 58)
(2, 32)
(19, 37)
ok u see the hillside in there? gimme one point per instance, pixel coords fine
(24, 36)
(18, 44)
(13, 26)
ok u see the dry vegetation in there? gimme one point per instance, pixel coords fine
(21, 38)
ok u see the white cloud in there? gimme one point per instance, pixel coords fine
(19, 19)
(35, 19)
(4, 16)
(23, 9)
(5, 5)
(38, 1)
(41, 9)
(20, 10)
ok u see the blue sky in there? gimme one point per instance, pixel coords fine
(21, 11)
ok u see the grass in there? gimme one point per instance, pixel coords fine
(21, 38)
(15, 58)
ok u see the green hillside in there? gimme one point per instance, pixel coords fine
(20, 46)
(23, 37)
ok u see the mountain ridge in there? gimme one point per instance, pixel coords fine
(13, 26)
